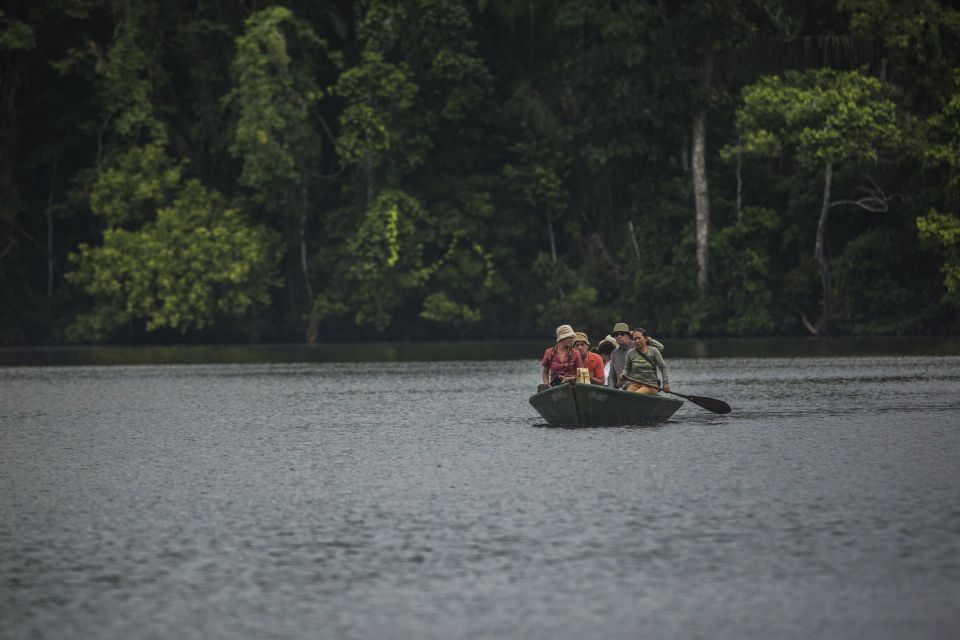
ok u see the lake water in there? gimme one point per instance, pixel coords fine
(427, 500)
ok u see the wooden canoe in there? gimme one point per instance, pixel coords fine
(590, 405)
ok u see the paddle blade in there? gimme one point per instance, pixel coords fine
(710, 404)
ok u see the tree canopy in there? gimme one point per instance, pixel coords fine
(441, 169)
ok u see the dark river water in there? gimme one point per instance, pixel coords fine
(427, 500)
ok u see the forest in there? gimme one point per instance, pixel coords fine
(343, 170)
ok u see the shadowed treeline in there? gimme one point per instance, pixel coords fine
(467, 352)
(431, 170)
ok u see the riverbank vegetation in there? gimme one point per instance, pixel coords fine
(325, 170)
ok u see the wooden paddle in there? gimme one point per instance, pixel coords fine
(710, 404)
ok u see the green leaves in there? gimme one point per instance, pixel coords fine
(439, 308)
(275, 90)
(418, 69)
(129, 75)
(824, 115)
(537, 176)
(941, 232)
(15, 35)
(128, 191)
(433, 166)
(416, 82)
(876, 294)
(384, 259)
(380, 96)
(194, 262)
(918, 40)
(943, 147)
(394, 259)
(743, 263)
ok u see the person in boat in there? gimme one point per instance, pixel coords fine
(604, 349)
(592, 361)
(642, 363)
(561, 361)
(624, 338)
(620, 333)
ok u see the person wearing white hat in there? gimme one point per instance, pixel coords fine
(561, 361)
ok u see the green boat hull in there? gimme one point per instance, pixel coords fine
(589, 405)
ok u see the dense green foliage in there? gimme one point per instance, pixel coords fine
(417, 169)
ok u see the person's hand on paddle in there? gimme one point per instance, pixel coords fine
(666, 388)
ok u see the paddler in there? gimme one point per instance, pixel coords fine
(642, 364)
(621, 333)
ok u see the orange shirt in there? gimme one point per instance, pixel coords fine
(595, 366)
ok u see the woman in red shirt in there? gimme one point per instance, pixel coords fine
(561, 361)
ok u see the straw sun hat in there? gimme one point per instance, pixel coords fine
(565, 331)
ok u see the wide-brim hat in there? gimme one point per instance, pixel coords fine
(620, 327)
(581, 337)
(565, 331)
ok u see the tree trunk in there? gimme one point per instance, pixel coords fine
(685, 155)
(701, 197)
(553, 242)
(820, 252)
(633, 238)
(50, 263)
(293, 273)
(739, 179)
(701, 192)
(10, 81)
(312, 329)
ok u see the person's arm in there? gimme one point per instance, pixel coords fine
(545, 367)
(614, 374)
(597, 368)
(627, 366)
(662, 365)
(545, 375)
(655, 343)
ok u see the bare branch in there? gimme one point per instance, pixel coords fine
(809, 326)
(875, 199)
(26, 235)
(333, 140)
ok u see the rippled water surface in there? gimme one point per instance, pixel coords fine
(428, 500)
